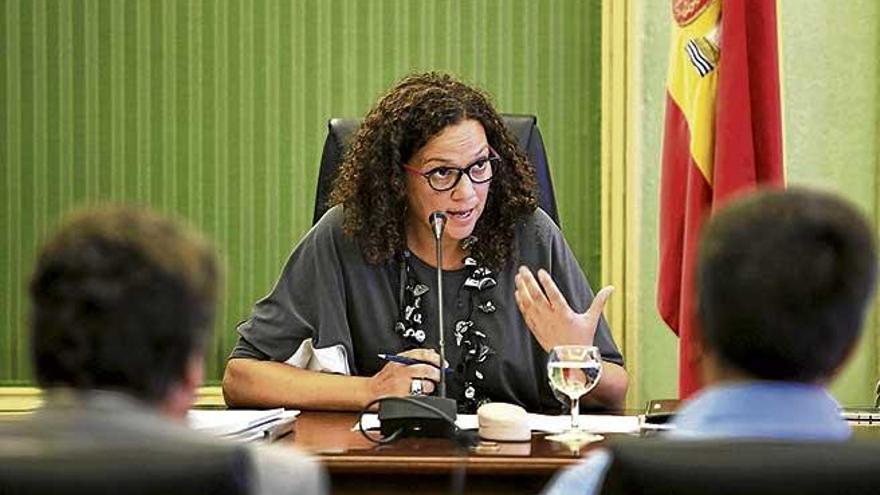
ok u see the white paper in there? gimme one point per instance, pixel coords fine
(463, 421)
(594, 423)
(221, 422)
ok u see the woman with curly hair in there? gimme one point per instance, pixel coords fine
(362, 282)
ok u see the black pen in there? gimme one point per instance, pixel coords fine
(408, 361)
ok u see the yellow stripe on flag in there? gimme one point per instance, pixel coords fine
(695, 94)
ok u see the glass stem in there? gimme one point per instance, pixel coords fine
(575, 413)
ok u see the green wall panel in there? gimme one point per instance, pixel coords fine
(216, 111)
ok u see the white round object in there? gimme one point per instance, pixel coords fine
(503, 422)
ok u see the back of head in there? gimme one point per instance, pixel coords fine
(783, 283)
(122, 299)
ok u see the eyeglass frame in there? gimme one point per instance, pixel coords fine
(493, 158)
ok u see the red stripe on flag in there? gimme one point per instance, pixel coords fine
(747, 153)
(748, 129)
(685, 199)
(673, 188)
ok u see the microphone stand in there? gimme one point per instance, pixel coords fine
(424, 415)
(438, 218)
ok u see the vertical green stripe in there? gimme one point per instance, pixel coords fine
(181, 110)
(67, 164)
(169, 122)
(7, 258)
(104, 102)
(25, 165)
(231, 211)
(208, 163)
(259, 184)
(52, 117)
(194, 161)
(116, 161)
(154, 104)
(131, 113)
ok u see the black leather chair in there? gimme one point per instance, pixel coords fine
(35, 467)
(742, 467)
(524, 127)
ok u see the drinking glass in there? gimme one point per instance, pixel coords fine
(574, 370)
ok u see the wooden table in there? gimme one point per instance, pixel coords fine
(426, 465)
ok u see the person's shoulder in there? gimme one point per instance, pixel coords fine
(540, 219)
(327, 232)
(330, 224)
(327, 241)
(122, 425)
(537, 227)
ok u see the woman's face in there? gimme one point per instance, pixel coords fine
(456, 146)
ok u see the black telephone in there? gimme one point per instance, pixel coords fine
(660, 411)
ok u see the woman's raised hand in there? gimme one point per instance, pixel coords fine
(548, 315)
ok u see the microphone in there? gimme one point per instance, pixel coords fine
(425, 415)
(437, 220)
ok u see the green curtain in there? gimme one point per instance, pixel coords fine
(216, 111)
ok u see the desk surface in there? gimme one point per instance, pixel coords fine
(431, 464)
(330, 435)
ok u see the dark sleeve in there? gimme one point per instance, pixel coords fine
(307, 302)
(573, 284)
(244, 349)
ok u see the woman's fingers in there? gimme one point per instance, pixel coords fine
(525, 308)
(598, 304)
(396, 380)
(426, 355)
(557, 300)
(523, 299)
(423, 371)
(526, 282)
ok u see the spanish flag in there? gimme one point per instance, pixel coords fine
(723, 136)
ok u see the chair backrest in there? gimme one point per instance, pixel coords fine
(524, 127)
(742, 467)
(36, 467)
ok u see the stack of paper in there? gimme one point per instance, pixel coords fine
(242, 425)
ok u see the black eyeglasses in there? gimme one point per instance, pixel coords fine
(446, 178)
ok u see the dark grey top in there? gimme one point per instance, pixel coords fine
(328, 293)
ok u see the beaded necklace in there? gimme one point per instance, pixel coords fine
(472, 342)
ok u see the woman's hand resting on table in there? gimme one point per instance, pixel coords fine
(395, 379)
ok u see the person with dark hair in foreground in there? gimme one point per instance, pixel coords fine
(784, 279)
(362, 282)
(122, 302)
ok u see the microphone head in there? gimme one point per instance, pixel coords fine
(437, 220)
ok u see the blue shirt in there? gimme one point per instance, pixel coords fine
(768, 410)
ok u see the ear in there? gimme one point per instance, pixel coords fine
(182, 395)
(710, 367)
(194, 373)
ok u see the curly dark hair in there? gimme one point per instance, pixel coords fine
(371, 184)
(121, 299)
